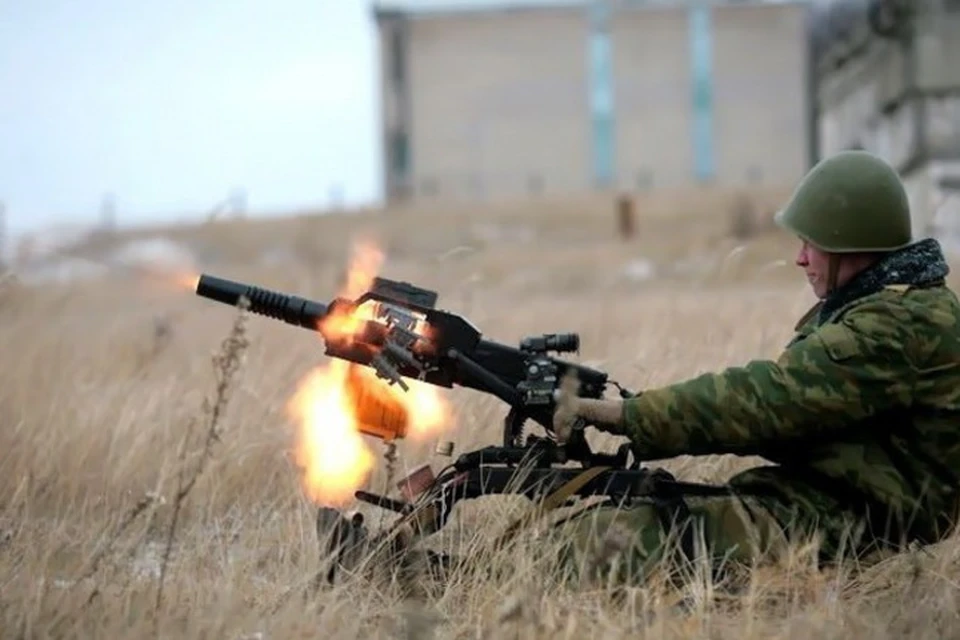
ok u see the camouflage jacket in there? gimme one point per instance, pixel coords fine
(860, 413)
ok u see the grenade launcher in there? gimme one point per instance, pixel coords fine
(404, 335)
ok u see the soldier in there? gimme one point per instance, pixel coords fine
(860, 414)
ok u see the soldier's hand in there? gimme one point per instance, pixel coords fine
(573, 413)
(566, 417)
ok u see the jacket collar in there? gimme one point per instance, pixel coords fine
(920, 264)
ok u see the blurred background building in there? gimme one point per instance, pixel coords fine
(487, 99)
(484, 100)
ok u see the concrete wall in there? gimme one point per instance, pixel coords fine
(860, 105)
(652, 98)
(748, 124)
(761, 85)
(900, 100)
(497, 103)
(934, 192)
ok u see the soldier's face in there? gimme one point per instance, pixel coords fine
(816, 265)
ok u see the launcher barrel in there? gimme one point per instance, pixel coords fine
(273, 304)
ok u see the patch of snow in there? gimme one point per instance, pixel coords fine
(147, 564)
(639, 270)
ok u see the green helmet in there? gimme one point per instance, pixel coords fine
(850, 202)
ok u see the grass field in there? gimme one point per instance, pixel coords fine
(109, 395)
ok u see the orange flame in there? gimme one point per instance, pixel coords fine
(333, 456)
(180, 280)
(188, 281)
(335, 405)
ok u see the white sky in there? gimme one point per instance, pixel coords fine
(170, 104)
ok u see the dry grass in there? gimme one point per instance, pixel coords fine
(148, 490)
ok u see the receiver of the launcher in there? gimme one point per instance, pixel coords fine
(404, 335)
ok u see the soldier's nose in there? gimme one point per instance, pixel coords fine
(802, 260)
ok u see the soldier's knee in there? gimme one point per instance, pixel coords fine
(741, 530)
(624, 544)
(632, 542)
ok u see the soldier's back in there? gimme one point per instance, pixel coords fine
(892, 474)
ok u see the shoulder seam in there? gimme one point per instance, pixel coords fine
(885, 294)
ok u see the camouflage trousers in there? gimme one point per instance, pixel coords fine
(626, 545)
(710, 535)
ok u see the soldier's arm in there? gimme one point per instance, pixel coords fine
(842, 373)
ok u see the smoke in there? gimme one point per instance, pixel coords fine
(154, 257)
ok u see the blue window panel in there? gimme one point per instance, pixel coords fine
(601, 96)
(701, 57)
